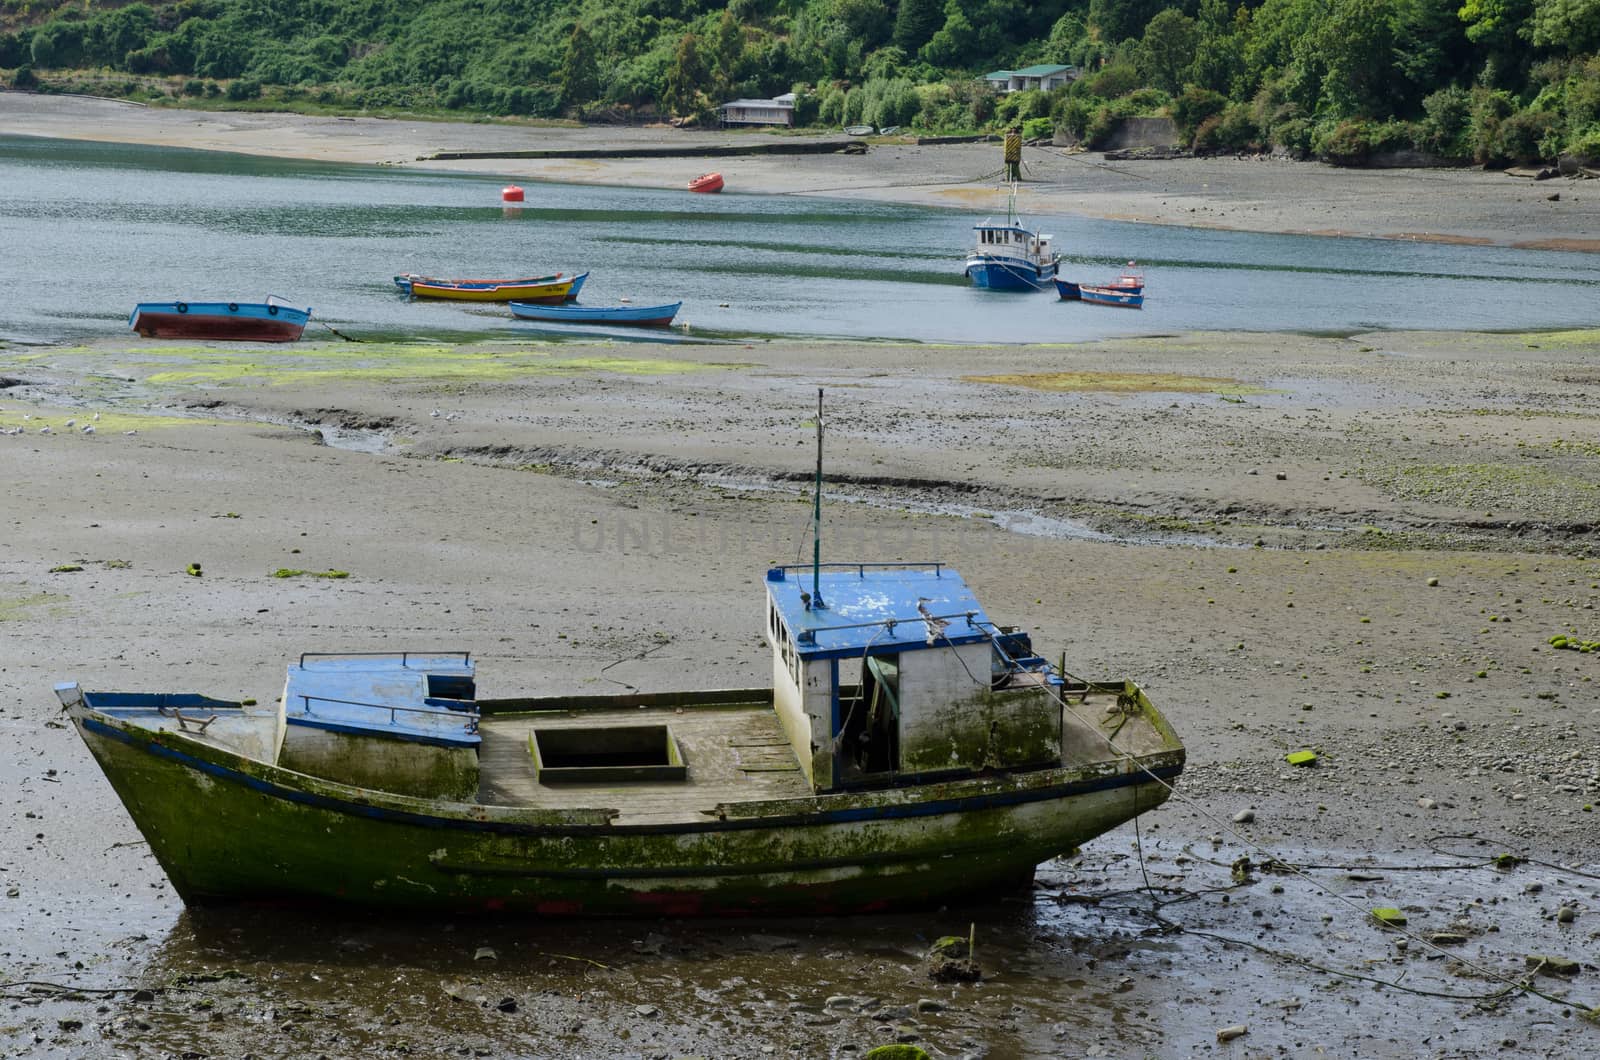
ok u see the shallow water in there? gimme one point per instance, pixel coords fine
(91, 229)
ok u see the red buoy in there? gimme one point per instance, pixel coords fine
(511, 193)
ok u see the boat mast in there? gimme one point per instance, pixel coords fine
(816, 519)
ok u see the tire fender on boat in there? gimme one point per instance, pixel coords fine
(182, 307)
(272, 310)
(233, 307)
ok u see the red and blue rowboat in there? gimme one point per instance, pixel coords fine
(649, 316)
(1113, 296)
(269, 321)
(406, 279)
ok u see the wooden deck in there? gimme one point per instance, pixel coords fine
(732, 754)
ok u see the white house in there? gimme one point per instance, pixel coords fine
(1043, 78)
(777, 111)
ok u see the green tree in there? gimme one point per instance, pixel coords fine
(1499, 28)
(683, 94)
(1219, 46)
(1569, 25)
(1120, 20)
(1168, 49)
(1356, 45)
(728, 52)
(579, 76)
(916, 22)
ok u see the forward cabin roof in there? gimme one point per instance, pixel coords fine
(419, 696)
(875, 608)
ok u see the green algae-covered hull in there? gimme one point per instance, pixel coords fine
(229, 827)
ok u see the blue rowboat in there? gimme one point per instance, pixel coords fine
(269, 321)
(1112, 296)
(649, 316)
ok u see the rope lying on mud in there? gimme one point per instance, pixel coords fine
(40, 984)
(1513, 985)
(339, 333)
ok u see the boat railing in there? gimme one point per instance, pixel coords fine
(861, 569)
(394, 709)
(405, 656)
(809, 635)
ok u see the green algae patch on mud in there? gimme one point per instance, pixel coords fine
(1575, 337)
(431, 362)
(1509, 489)
(295, 572)
(110, 421)
(20, 608)
(1119, 383)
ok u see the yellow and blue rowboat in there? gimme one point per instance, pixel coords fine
(551, 291)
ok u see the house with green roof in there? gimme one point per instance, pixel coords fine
(1042, 77)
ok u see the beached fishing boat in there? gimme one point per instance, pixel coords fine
(1011, 257)
(910, 751)
(271, 321)
(649, 316)
(858, 130)
(1112, 296)
(545, 292)
(706, 183)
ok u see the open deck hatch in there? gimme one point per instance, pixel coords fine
(608, 753)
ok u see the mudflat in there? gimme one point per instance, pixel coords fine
(1361, 546)
(1251, 194)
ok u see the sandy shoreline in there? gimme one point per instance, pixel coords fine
(1258, 195)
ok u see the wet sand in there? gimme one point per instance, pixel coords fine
(1259, 195)
(1358, 545)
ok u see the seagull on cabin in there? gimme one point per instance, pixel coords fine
(935, 625)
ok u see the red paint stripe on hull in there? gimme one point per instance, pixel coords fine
(225, 328)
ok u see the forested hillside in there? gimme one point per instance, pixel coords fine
(1493, 81)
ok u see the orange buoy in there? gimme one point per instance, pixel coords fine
(511, 193)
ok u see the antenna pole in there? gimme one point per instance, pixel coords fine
(816, 518)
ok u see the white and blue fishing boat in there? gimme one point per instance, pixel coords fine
(908, 752)
(1011, 257)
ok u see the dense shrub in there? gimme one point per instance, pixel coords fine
(1233, 129)
(1490, 108)
(1350, 143)
(1527, 136)
(1194, 105)
(244, 88)
(1038, 129)
(1446, 122)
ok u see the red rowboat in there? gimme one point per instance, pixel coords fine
(706, 182)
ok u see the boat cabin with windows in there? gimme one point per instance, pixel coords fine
(887, 674)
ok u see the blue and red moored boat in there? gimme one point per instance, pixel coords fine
(271, 321)
(1130, 282)
(1111, 296)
